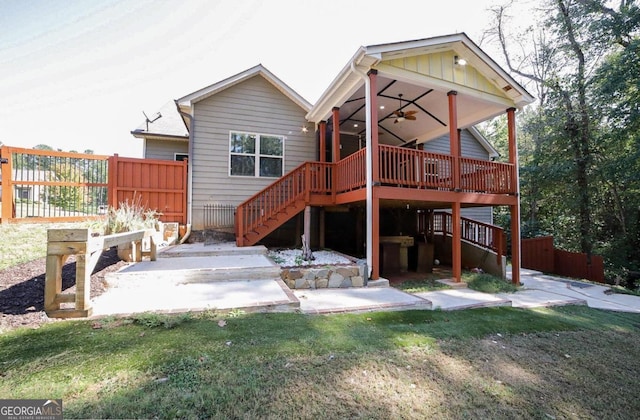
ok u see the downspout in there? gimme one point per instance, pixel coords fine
(189, 173)
(369, 166)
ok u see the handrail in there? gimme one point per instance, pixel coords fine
(399, 167)
(485, 176)
(351, 172)
(308, 177)
(482, 234)
(404, 167)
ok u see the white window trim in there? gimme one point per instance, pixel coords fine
(257, 154)
(175, 156)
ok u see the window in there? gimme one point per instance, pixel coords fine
(179, 157)
(256, 155)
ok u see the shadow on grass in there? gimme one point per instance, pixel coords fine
(257, 365)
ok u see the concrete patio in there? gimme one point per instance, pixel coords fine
(195, 277)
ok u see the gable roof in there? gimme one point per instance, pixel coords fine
(258, 70)
(169, 124)
(365, 58)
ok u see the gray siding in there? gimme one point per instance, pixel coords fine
(164, 149)
(253, 106)
(470, 148)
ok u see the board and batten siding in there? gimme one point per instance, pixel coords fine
(253, 106)
(470, 148)
(165, 149)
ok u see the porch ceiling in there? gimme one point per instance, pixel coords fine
(423, 71)
(429, 102)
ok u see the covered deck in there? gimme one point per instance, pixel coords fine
(394, 99)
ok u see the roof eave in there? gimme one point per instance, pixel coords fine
(344, 82)
(187, 101)
(146, 135)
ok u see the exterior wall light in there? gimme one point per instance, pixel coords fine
(459, 61)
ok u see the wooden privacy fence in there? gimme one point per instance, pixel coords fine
(156, 184)
(540, 254)
(46, 186)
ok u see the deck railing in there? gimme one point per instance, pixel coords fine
(415, 168)
(485, 176)
(351, 172)
(309, 177)
(398, 167)
(482, 234)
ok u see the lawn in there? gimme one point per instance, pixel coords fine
(24, 242)
(565, 362)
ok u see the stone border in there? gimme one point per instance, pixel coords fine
(330, 276)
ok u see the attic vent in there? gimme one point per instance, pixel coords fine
(507, 88)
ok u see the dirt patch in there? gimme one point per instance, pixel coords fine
(22, 288)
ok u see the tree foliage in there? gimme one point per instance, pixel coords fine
(579, 146)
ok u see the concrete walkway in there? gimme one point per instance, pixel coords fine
(196, 277)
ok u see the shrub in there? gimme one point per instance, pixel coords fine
(130, 216)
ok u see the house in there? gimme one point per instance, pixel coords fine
(389, 142)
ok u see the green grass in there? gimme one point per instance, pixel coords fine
(487, 283)
(563, 362)
(24, 242)
(427, 284)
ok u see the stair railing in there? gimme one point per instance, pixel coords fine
(478, 233)
(307, 178)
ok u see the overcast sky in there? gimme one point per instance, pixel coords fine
(78, 74)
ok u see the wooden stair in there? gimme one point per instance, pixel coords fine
(274, 222)
(270, 208)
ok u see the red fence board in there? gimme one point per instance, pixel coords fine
(159, 185)
(574, 264)
(540, 254)
(537, 254)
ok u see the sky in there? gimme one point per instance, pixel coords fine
(79, 74)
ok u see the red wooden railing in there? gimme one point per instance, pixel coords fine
(414, 168)
(297, 185)
(482, 234)
(398, 167)
(485, 176)
(351, 172)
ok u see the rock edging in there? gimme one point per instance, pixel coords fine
(325, 277)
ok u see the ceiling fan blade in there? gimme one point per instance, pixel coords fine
(410, 117)
(395, 121)
(410, 113)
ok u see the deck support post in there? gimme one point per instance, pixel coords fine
(514, 209)
(454, 149)
(454, 139)
(335, 146)
(307, 226)
(456, 243)
(322, 131)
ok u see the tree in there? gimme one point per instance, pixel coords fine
(560, 57)
(67, 197)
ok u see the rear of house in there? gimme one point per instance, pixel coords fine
(388, 145)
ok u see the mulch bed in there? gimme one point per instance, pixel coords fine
(22, 288)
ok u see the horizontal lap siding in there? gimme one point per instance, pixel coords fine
(164, 149)
(253, 106)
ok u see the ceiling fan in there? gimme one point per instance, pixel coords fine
(402, 115)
